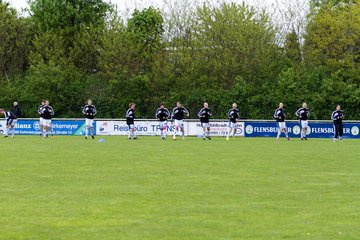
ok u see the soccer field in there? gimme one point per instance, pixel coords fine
(69, 188)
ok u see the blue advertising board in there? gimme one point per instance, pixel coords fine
(60, 127)
(316, 129)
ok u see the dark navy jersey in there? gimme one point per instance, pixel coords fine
(47, 112)
(204, 115)
(40, 112)
(9, 116)
(89, 111)
(162, 114)
(130, 116)
(179, 113)
(280, 115)
(337, 116)
(233, 115)
(303, 114)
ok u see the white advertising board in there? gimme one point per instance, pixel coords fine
(152, 128)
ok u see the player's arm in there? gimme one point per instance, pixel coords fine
(186, 112)
(276, 114)
(39, 110)
(52, 111)
(167, 113)
(83, 111)
(297, 113)
(200, 112)
(157, 113)
(94, 111)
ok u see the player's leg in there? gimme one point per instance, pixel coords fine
(208, 132)
(341, 131)
(182, 130)
(176, 129)
(336, 132)
(13, 128)
(41, 126)
(229, 130)
(6, 134)
(45, 128)
(279, 132)
(129, 134)
(92, 129)
(286, 133)
(86, 128)
(234, 130)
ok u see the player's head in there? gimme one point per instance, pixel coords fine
(234, 105)
(15, 104)
(281, 105)
(89, 102)
(178, 104)
(304, 105)
(338, 107)
(47, 102)
(43, 102)
(206, 105)
(2, 111)
(132, 105)
(162, 106)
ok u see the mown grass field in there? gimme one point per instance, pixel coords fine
(69, 188)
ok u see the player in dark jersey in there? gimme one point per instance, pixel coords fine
(204, 115)
(162, 114)
(89, 111)
(337, 116)
(10, 122)
(177, 117)
(47, 113)
(130, 118)
(303, 115)
(280, 117)
(41, 117)
(233, 115)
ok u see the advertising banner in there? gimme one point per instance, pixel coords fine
(315, 130)
(152, 128)
(60, 127)
(216, 129)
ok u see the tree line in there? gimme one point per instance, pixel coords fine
(69, 51)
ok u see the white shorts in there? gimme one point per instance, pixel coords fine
(41, 120)
(12, 122)
(179, 123)
(304, 123)
(233, 125)
(163, 125)
(89, 122)
(205, 125)
(281, 125)
(47, 122)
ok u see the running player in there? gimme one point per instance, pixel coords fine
(130, 117)
(41, 116)
(10, 122)
(90, 111)
(204, 115)
(177, 116)
(280, 117)
(337, 116)
(162, 114)
(233, 115)
(303, 115)
(47, 112)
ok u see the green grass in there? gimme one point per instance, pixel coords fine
(69, 188)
